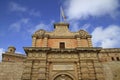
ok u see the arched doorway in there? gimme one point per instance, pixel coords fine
(63, 77)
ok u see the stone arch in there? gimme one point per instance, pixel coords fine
(64, 73)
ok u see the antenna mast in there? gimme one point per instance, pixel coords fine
(62, 15)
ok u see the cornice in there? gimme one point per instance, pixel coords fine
(68, 50)
(63, 50)
(110, 50)
(93, 49)
(14, 55)
(35, 49)
(61, 24)
(83, 37)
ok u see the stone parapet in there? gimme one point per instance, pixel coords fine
(13, 57)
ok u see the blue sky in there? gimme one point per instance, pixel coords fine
(20, 18)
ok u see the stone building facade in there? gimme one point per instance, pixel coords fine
(63, 55)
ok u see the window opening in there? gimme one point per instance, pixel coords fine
(112, 58)
(62, 45)
(117, 58)
(10, 50)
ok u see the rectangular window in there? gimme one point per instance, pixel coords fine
(62, 45)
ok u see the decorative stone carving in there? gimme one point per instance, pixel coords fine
(39, 34)
(83, 33)
(63, 77)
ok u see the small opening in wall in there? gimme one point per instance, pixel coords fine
(117, 58)
(62, 45)
(10, 50)
(112, 58)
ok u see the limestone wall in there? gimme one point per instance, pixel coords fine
(11, 70)
(69, 43)
(112, 70)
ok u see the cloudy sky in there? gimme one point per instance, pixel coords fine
(20, 18)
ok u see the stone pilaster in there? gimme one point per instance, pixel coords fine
(35, 70)
(27, 70)
(78, 41)
(33, 41)
(45, 41)
(42, 70)
(87, 70)
(79, 71)
(90, 66)
(47, 71)
(89, 42)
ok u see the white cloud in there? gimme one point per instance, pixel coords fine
(74, 26)
(47, 27)
(86, 26)
(41, 26)
(1, 51)
(34, 13)
(106, 37)
(17, 25)
(16, 7)
(82, 9)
